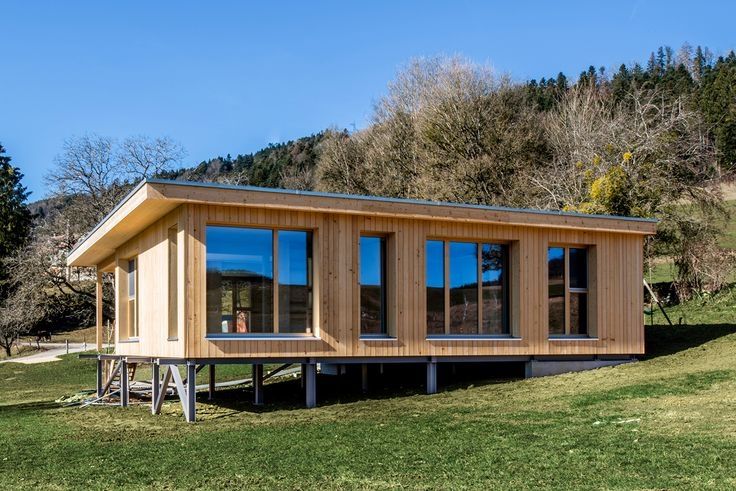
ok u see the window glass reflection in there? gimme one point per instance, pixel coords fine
(435, 280)
(372, 285)
(463, 288)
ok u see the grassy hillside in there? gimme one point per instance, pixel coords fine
(665, 422)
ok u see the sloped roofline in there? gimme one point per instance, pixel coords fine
(621, 224)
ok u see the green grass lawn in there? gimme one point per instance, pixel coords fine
(668, 421)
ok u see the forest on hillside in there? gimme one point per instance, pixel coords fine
(655, 139)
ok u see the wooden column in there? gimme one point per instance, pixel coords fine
(98, 298)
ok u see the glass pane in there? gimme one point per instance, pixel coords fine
(463, 288)
(131, 278)
(295, 281)
(372, 285)
(494, 270)
(578, 268)
(239, 280)
(578, 313)
(435, 272)
(556, 268)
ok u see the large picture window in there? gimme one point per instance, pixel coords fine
(467, 288)
(568, 291)
(373, 307)
(242, 296)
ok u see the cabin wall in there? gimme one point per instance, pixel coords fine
(151, 249)
(617, 286)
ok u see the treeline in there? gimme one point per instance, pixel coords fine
(707, 84)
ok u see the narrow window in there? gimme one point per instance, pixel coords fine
(435, 281)
(467, 288)
(132, 304)
(295, 281)
(556, 268)
(578, 259)
(568, 291)
(494, 270)
(463, 288)
(373, 318)
(173, 283)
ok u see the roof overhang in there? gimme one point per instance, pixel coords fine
(152, 199)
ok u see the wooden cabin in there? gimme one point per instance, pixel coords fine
(208, 274)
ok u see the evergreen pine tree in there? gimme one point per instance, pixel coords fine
(15, 218)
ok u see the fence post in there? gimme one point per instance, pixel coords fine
(67, 346)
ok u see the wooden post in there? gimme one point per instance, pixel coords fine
(211, 393)
(98, 297)
(155, 385)
(258, 384)
(304, 374)
(310, 369)
(431, 377)
(124, 387)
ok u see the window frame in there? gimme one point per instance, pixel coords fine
(588, 291)
(173, 282)
(385, 317)
(132, 315)
(507, 287)
(313, 329)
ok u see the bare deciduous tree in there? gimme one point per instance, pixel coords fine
(141, 156)
(446, 130)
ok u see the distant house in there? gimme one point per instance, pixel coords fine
(208, 274)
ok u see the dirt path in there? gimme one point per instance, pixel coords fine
(51, 353)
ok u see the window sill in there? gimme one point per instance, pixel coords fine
(129, 340)
(172, 339)
(261, 337)
(572, 338)
(471, 337)
(378, 338)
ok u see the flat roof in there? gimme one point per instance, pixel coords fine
(152, 198)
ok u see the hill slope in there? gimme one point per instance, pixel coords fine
(665, 422)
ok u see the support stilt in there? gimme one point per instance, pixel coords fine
(211, 392)
(155, 385)
(364, 377)
(431, 377)
(310, 385)
(124, 384)
(304, 374)
(164, 387)
(99, 378)
(258, 384)
(191, 392)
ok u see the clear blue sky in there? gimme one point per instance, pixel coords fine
(230, 77)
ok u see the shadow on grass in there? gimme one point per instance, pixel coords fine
(29, 406)
(400, 380)
(662, 340)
